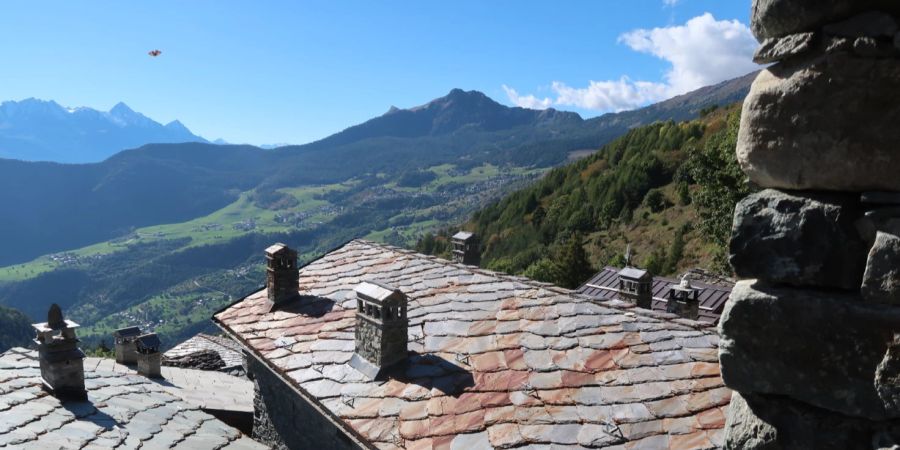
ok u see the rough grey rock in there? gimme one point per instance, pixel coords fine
(868, 24)
(817, 347)
(838, 44)
(789, 238)
(776, 18)
(881, 281)
(758, 422)
(872, 48)
(881, 198)
(777, 49)
(887, 376)
(746, 430)
(826, 123)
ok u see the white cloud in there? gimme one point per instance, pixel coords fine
(670, 2)
(701, 52)
(526, 101)
(615, 95)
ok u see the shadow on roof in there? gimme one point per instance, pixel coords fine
(86, 411)
(432, 372)
(307, 305)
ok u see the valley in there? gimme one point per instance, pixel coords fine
(164, 235)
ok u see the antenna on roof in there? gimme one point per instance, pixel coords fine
(628, 255)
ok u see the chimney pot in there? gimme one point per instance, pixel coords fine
(61, 361)
(126, 351)
(282, 275)
(149, 359)
(636, 286)
(684, 300)
(381, 328)
(466, 249)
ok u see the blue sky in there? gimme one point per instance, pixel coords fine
(273, 72)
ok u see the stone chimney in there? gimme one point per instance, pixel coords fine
(282, 275)
(61, 361)
(126, 352)
(684, 300)
(636, 286)
(381, 328)
(149, 359)
(465, 248)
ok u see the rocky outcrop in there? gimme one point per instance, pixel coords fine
(778, 238)
(810, 340)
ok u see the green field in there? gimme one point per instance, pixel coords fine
(220, 226)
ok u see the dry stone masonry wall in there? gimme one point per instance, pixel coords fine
(811, 336)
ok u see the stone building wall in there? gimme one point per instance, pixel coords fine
(368, 340)
(811, 336)
(285, 421)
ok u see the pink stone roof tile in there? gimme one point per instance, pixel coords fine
(495, 360)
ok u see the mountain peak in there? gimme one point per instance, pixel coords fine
(121, 109)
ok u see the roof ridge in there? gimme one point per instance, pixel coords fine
(618, 305)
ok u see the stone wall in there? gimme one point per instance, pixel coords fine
(811, 336)
(285, 421)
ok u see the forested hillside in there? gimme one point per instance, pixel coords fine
(667, 189)
(15, 329)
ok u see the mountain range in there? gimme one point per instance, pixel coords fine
(164, 234)
(38, 130)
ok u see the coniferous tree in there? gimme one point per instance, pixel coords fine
(572, 263)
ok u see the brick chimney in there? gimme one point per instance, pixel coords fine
(465, 248)
(149, 359)
(61, 361)
(126, 352)
(381, 328)
(282, 276)
(684, 300)
(636, 286)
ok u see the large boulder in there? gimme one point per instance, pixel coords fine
(823, 123)
(759, 422)
(818, 347)
(789, 238)
(881, 282)
(776, 18)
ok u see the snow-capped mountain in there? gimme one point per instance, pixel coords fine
(39, 130)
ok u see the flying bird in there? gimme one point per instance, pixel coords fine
(154, 53)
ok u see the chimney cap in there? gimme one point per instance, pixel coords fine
(684, 285)
(632, 273)
(148, 343)
(378, 292)
(463, 235)
(277, 248)
(127, 332)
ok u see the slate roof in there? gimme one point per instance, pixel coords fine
(209, 390)
(712, 296)
(228, 350)
(496, 360)
(123, 412)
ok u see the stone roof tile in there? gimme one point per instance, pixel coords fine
(122, 411)
(498, 361)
